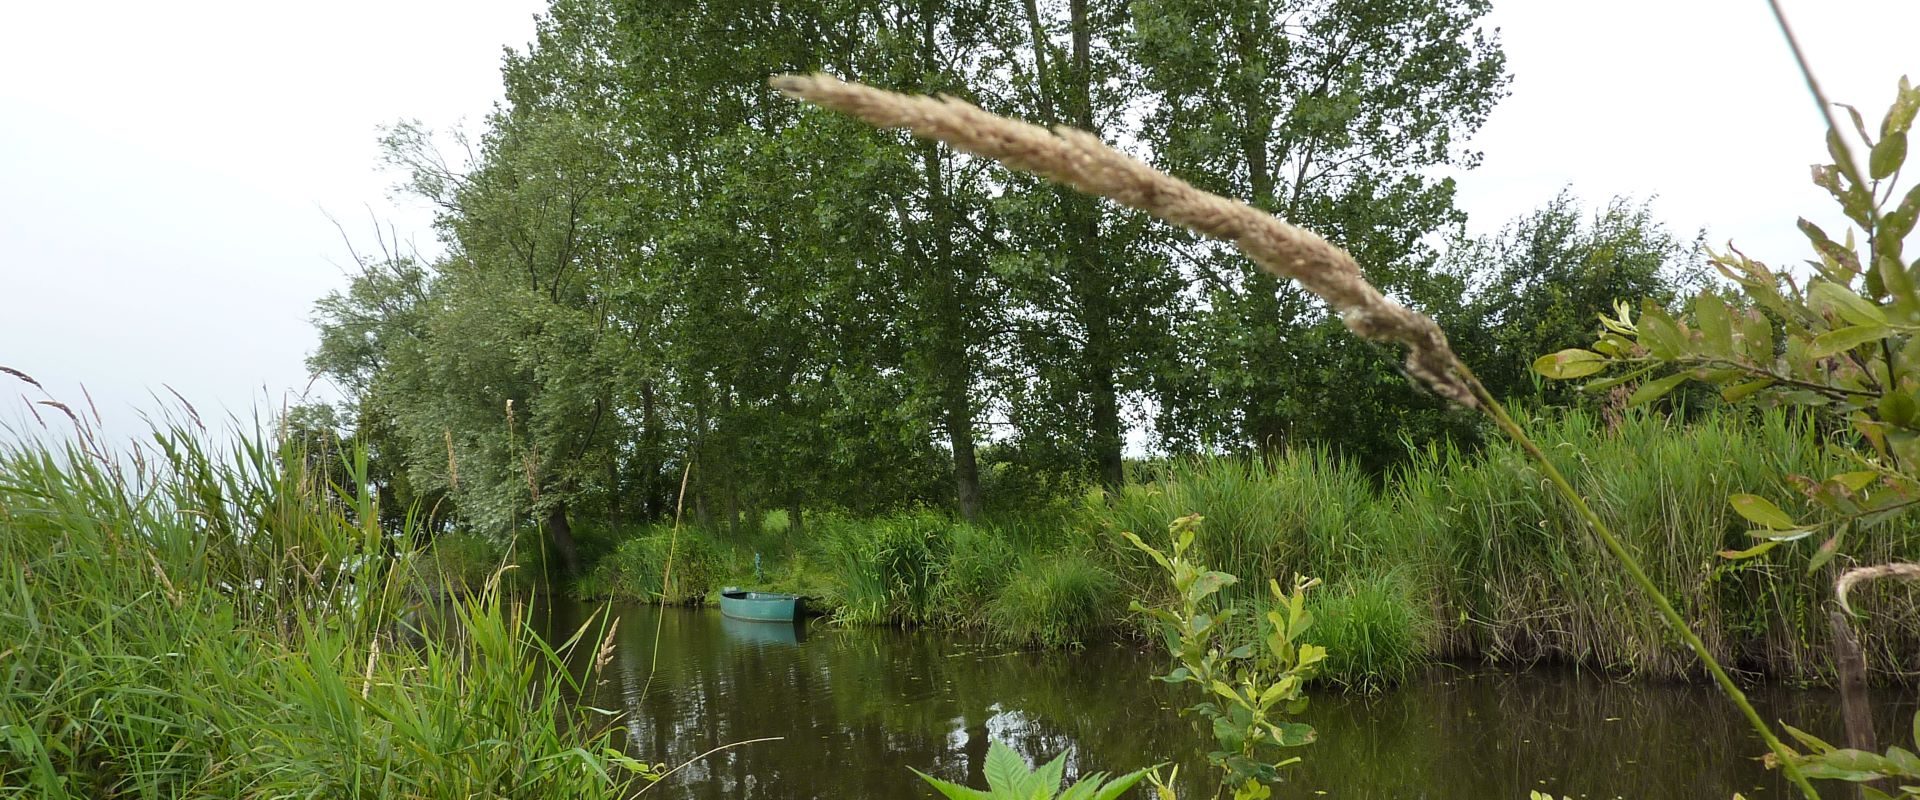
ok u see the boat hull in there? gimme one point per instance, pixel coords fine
(759, 606)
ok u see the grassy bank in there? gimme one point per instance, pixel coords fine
(1459, 555)
(176, 622)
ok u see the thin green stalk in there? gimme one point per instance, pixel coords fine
(1492, 408)
(666, 578)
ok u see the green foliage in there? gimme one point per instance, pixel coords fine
(198, 623)
(1331, 118)
(639, 568)
(885, 570)
(1009, 778)
(1898, 766)
(458, 560)
(1843, 345)
(1252, 673)
(1538, 286)
(1375, 630)
(1055, 601)
(1523, 581)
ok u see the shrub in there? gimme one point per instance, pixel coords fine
(637, 568)
(1055, 601)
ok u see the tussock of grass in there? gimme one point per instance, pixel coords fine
(201, 624)
(1056, 601)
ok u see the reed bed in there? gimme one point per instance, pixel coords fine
(178, 620)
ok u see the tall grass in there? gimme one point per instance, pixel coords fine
(1056, 601)
(177, 621)
(1527, 584)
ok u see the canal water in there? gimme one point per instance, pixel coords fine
(855, 708)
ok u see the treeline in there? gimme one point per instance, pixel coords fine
(652, 260)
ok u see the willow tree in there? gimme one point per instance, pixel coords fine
(1332, 114)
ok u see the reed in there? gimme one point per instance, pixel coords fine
(185, 621)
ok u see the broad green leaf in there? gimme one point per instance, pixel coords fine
(1741, 391)
(1005, 769)
(1656, 389)
(1045, 781)
(1900, 115)
(1855, 481)
(953, 791)
(1710, 313)
(1209, 583)
(1810, 741)
(1841, 340)
(1898, 407)
(1570, 363)
(1887, 156)
(1850, 306)
(1899, 222)
(1760, 511)
(1660, 333)
(1119, 786)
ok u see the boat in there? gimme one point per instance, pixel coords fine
(759, 606)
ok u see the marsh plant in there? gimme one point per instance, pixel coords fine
(1844, 344)
(1253, 675)
(182, 620)
(1009, 778)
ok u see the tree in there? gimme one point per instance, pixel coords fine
(1543, 282)
(1331, 114)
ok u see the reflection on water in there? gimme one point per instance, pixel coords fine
(858, 707)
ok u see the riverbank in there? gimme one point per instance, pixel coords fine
(180, 620)
(1456, 556)
(857, 706)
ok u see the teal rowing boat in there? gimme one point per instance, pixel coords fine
(759, 606)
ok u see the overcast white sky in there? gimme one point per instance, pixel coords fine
(167, 169)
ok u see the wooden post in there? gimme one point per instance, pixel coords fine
(1856, 710)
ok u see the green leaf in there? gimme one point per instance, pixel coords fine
(1659, 332)
(1045, 781)
(1736, 555)
(1850, 306)
(1005, 769)
(1120, 785)
(1760, 511)
(1656, 389)
(1900, 115)
(953, 791)
(1810, 741)
(1209, 583)
(1716, 329)
(1570, 363)
(1827, 550)
(1841, 340)
(1887, 156)
(1741, 391)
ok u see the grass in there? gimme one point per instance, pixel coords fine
(1459, 555)
(1056, 601)
(181, 622)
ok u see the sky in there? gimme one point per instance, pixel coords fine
(171, 174)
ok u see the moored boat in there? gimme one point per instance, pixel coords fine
(759, 606)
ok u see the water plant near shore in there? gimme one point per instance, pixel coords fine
(180, 621)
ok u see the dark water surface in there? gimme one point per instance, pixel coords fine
(857, 707)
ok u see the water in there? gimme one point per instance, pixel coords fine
(856, 708)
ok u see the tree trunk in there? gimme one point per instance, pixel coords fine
(560, 535)
(954, 366)
(966, 468)
(1096, 298)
